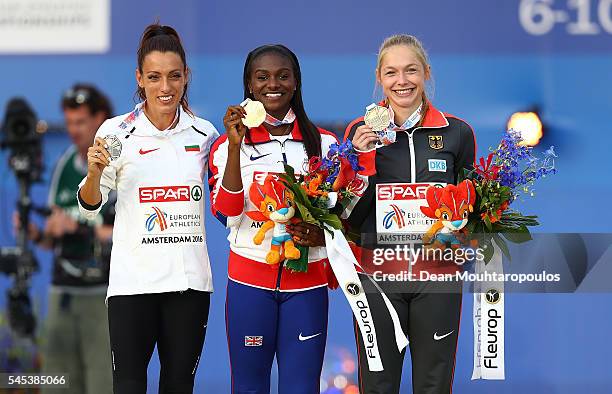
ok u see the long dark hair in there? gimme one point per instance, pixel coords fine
(310, 133)
(162, 38)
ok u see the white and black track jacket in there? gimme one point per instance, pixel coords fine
(159, 241)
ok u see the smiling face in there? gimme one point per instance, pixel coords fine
(272, 82)
(402, 76)
(163, 78)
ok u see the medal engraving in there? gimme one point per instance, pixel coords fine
(113, 146)
(255, 113)
(377, 117)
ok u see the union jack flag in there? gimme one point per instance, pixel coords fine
(253, 340)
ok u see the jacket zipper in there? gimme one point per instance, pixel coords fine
(282, 263)
(412, 157)
(283, 151)
(412, 176)
(280, 273)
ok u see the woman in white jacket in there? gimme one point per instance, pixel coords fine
(160, 279)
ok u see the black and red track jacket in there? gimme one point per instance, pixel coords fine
(440, 136)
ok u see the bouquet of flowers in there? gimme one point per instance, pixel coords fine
(323, 191)
(509, 172)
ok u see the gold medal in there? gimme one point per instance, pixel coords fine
(113, 146)
(255, 113)
(377, 117)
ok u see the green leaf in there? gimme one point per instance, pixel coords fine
(300, 264)
(519, 236)
(487, 251)
(461, 176)
(332, 220)
(306, 215)
(290, 171)
(487, 222)
(495, 216)
(502, 245)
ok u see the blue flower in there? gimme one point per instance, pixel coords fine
(519, 167)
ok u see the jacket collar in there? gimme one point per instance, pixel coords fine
(260, 135)
(143, 126)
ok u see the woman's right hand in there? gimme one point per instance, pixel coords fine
(97, 158)
(364, 138)
(234, 128)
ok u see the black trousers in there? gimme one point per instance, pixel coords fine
(429, 313)
(175, 321)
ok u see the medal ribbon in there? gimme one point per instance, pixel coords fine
(389, 135)
(343, 262)
(408, 123)
(272, 121)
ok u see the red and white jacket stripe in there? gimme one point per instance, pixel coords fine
(263, 154)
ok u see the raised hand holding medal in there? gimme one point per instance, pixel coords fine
(98, 157)
(379, 119)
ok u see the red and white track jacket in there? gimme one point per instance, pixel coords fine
(262, 155)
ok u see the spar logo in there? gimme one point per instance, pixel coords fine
(401, 191)
(169, 193)
(260, 176)
(158, 217)
(396, 215)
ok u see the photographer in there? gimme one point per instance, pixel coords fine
(76, 338)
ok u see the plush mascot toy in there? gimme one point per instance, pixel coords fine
(451, 206)
(276, 209)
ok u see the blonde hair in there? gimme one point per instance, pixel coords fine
(415, 44)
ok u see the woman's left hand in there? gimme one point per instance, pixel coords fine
(306, 234)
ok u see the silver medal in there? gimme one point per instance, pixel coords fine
(113, 146)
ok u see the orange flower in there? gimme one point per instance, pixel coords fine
(312, 186)
(345, 175)
(492, 218)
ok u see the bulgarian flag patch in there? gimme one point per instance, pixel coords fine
(192, 148)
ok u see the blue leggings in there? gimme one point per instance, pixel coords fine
(262, 323)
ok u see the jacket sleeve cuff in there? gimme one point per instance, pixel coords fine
(367, 160)
(228, 202)
(87, 206)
